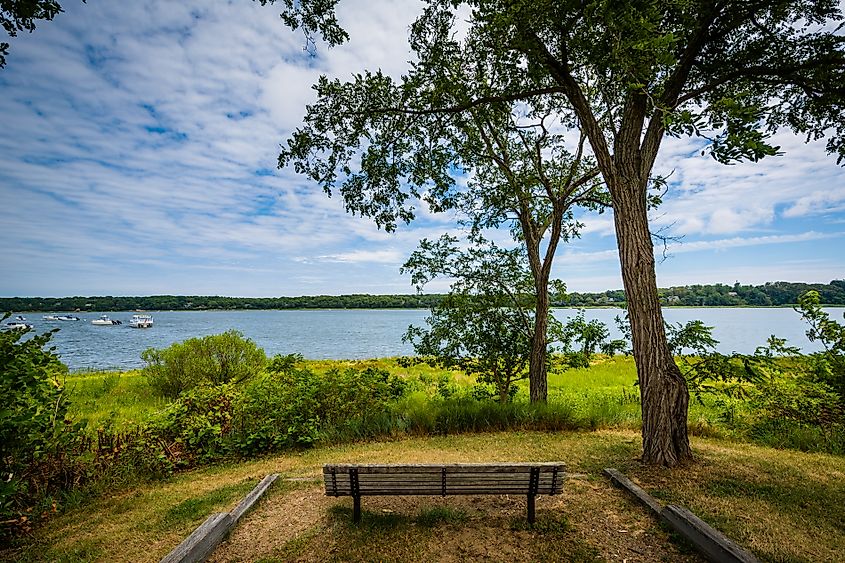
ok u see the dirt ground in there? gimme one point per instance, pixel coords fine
(590, 521)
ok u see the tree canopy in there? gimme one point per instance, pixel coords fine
(623, 75)
(21, 15)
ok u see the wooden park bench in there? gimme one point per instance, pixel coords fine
(529, 479)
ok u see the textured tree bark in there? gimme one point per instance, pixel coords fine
(537, 381)
(663, 390)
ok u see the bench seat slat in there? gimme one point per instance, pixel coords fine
(450, 468)
(542, 489)
(450, 492)
(437, 490)
(432, 478)
(438, 486)
(449, 479)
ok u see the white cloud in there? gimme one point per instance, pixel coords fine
(146, 134)
(380, 256)
(709, 198)
(735, 242)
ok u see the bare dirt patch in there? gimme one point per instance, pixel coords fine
(590, 521)
(278, 519)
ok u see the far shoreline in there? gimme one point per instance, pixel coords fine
(255, 310)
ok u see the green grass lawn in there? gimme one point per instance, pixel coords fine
(783, 505)
(117, 398)
(125, 398)
(601, 396)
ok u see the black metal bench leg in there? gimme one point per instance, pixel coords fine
(530, 509)
(356, 509)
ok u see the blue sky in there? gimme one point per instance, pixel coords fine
(138, 156)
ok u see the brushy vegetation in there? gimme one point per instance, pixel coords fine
(216, 359)
(38, 444)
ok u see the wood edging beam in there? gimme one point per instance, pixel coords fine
(710, 542)
(202, 542)
(623, 482)
(253, 497)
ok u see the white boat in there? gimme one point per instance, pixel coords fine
(141, 321)
(17, 325)
(67, 318)
(20, 318)
(104, 320)
(50, 318)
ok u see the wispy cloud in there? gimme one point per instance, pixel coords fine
(138, 155)
(378, 256)
(735, 242)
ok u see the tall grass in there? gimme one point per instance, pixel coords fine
(439, 402)
(118, 400)
(420, 415)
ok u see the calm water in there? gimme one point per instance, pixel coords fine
(355, 334)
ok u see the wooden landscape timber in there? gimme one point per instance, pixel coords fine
(202, 542)
(710, 542)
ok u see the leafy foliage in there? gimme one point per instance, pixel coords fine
(488, 324)
(770, 293)
(211, 360)
(780, 388)
(287, 407)
(38, 443)
(21, 15)
(828, 366)
(483, 335)
(619, 76)
(202, 302)
(591, 335)
(312, 17)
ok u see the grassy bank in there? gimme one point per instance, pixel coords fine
(603, 395)
(784, 506)
(122, 399)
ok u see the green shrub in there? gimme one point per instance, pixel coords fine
(798, 400)
(278, 410)
(39, 445)
(216, 359)
(199, 422)
(287, 407)
(298, 407)
(827, 366)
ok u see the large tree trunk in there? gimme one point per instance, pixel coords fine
(537, 382)
(663, 390)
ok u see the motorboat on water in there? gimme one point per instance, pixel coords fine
(60, 318)
(20, 318)
(141, 321)
(17, 325)
(104, 320)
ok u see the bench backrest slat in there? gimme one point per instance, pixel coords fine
(448, 479)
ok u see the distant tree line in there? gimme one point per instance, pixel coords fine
(202, 302)
(770, 294)
(718, 295)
